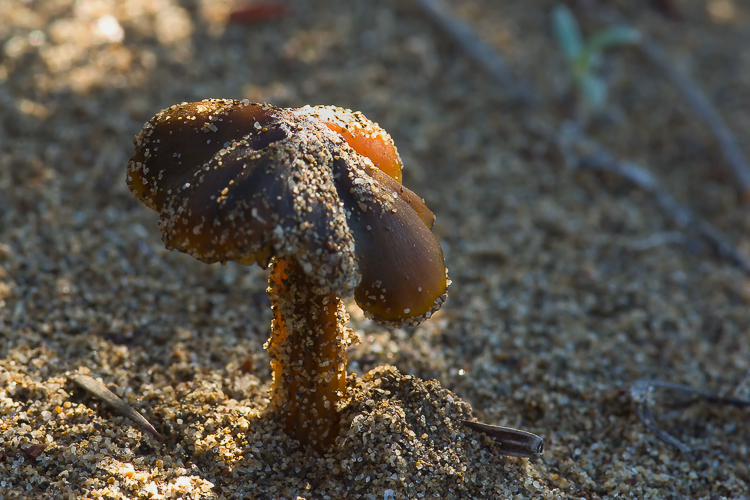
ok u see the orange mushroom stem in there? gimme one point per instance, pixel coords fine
(307, 348)
(315, 192)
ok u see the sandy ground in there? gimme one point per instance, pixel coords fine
(568, 286)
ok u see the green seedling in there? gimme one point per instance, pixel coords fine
(585, 56)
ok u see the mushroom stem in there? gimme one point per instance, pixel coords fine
(307, 350)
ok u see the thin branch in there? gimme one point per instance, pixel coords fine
(642, 394)
(646, 416)
(580, 150)
(658, 239)
(742, 386)
(99, 390)
(482, 54)
(684, 394)
(694, 96)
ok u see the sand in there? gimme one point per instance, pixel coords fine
(568, 286)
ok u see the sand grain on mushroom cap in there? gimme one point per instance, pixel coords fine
(283, 184)
(264, 192)
(407, 293)
(316, 192)
(364, 136)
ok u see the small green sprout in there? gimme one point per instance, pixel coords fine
(585, 56)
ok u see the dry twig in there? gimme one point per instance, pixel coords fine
(743, 385)
(99, 390)
(642, 392)
(580, 150)
(694, 96)
(482, 54)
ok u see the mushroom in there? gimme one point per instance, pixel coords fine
(315, 193)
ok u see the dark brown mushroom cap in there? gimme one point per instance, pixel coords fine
(234, 180)
(404, 278)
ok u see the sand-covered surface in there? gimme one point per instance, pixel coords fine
(568, 285)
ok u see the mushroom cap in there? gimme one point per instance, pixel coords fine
(247, 182)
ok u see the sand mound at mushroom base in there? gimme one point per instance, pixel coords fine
(399, 433)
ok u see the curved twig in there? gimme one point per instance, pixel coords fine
(99, 390)
(482, 54)
(594, 156)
